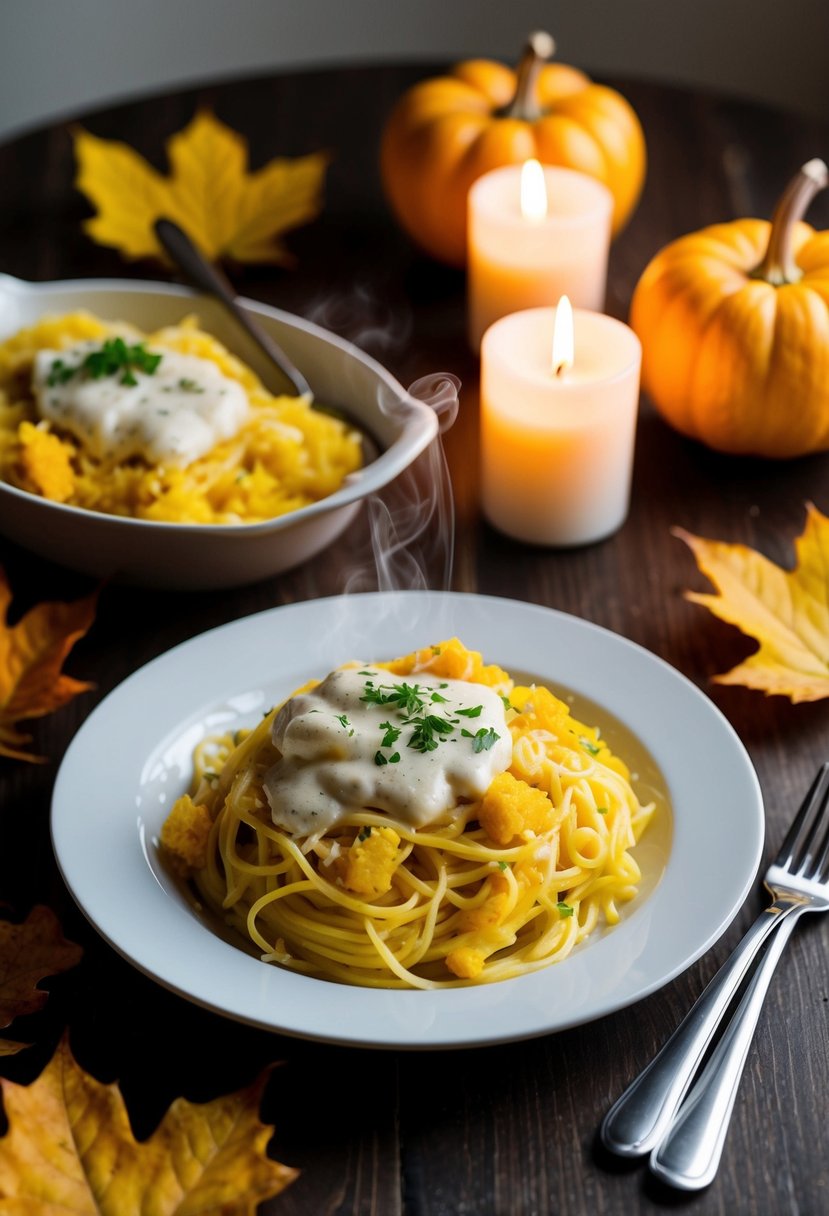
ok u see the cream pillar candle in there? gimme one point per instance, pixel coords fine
(523, 257)
(557, 441)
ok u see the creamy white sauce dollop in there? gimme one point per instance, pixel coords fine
(170, 417)
(339, 751)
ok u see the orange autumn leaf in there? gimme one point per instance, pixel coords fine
(28, 953)
(209, 192)
(70, 1148)
(31, 657)
(787, 612)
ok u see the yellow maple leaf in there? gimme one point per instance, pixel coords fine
(787, 612)
(31, 656)
(209, 193)
(70, 1148)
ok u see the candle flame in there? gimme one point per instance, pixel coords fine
(563, 343)
(533, 191)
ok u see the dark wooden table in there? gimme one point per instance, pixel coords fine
(508, 1129)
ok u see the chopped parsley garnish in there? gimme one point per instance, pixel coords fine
(344, 723)
(190, 386)
(425, 729)
(394, 758)
(436, 650)
(410, 702)
(590, 747)
(391, 735)
(564, 910)
(601, 810)
(113, 357)
(483, 739)
(364, 833)
(59, 373)
(406, 698)
(507, 703)
(502, 865)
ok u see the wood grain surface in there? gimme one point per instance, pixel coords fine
(505, 1130)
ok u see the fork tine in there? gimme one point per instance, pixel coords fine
(821, 870)
(794, 852)
(813, 846)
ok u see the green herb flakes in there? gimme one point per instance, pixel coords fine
(483, 739)
(391, 734)
(113, 357)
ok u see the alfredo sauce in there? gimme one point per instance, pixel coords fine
(408, 745)
(171, 415)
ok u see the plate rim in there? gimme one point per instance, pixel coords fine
(451, 604)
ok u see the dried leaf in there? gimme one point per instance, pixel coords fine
(787, 612)
(70, 1148)
(31, 656)
(9, 1048)
(209, 193)
(28, 953)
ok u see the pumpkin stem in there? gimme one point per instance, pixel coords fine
(778, 266)
(524, 105)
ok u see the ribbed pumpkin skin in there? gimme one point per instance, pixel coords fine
(731, 360)
(444, 133)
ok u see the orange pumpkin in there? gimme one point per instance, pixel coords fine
(445, 132)
(734, 325)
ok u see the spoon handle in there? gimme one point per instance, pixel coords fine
(211, 280)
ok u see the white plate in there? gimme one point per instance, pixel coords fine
(131, 760)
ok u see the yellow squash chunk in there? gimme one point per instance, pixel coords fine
(45, 463)
(185, 834)
(491, 912)
(451, 661)
(510, 807)
(539, 709)
(465, 963)
(371, 862)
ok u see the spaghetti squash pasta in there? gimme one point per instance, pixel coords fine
(477, 833)
(168, 426)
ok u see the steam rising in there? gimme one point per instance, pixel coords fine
(364, 319)
(412, 521)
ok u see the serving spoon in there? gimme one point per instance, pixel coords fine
(207, 278)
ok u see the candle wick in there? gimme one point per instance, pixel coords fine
(561, 368)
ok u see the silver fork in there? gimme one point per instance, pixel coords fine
(688, 1155)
